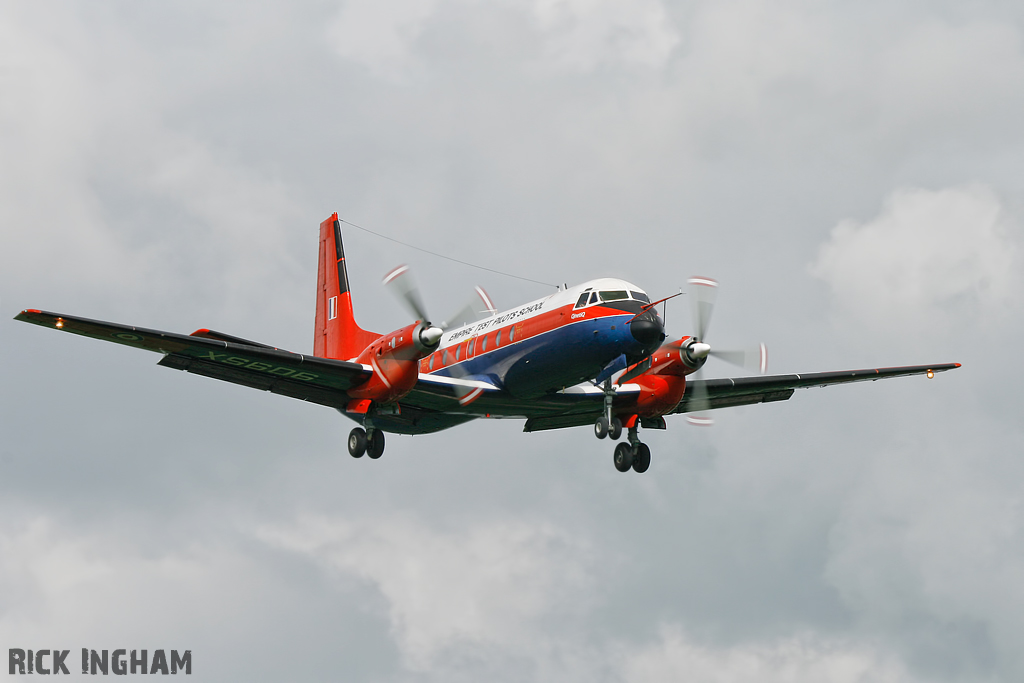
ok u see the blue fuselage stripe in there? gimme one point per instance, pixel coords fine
(552, 360)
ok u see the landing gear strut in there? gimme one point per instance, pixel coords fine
(633, 455)
(608, 424)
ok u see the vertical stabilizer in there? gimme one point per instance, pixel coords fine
(337, 335)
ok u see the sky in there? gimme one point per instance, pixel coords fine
(851, 173)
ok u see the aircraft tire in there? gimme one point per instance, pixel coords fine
(623, 457)
(601, 427)
(615, 429)
(642, 458)
(357, 442)
(375, 444)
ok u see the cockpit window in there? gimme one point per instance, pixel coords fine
(593, 297)
(640, 296)
(615, 295)
(583, 300)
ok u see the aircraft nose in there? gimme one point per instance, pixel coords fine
(647, 329)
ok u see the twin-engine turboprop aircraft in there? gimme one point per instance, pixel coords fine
(595, 354)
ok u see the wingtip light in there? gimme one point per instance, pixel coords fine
(60, 323)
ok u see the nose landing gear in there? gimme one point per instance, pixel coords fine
(608, 424)
(610, 428)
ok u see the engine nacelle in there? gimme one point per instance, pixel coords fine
(663, 384)
(395, 360)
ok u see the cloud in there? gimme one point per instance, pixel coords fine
(575, 35)
(927, 546)
(381, 36)
(584, 34)
(674, 656)
(481, 586)
(932, 260)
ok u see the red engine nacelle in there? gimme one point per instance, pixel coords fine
(662, 386)
(395, 360)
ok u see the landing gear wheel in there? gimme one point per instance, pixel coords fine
(642, 458)
(623, 457)
(601, 427)
(357, 442)
(615, 429)
(375, 444)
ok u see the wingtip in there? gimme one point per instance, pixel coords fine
(26, 315)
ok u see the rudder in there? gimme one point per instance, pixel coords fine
(337, 335)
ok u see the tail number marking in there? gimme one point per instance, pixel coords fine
(260, 366)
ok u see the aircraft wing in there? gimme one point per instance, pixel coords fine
(724, 393)
(221, 356)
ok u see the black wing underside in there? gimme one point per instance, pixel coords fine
(221, 356)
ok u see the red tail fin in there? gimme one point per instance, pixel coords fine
(337, 335)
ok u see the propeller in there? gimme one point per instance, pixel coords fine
(470, 311)
(703, 292)
(401, 284)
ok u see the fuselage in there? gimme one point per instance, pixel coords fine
(552, 343)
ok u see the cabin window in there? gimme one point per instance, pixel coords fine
(458, 350)
(593, 297)
(640, 296)
(483, 344)
(614, 295)
(583, 300)
(444, 357)
(430, 365)
(511, 333)
(472, 343)
(497, 339)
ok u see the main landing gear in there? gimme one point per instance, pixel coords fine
(370, 441)
(633, 455)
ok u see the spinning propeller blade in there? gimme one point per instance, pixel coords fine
(703, 292)
(471, 311)
(399, 281)
(401, 284)
(753, 358)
